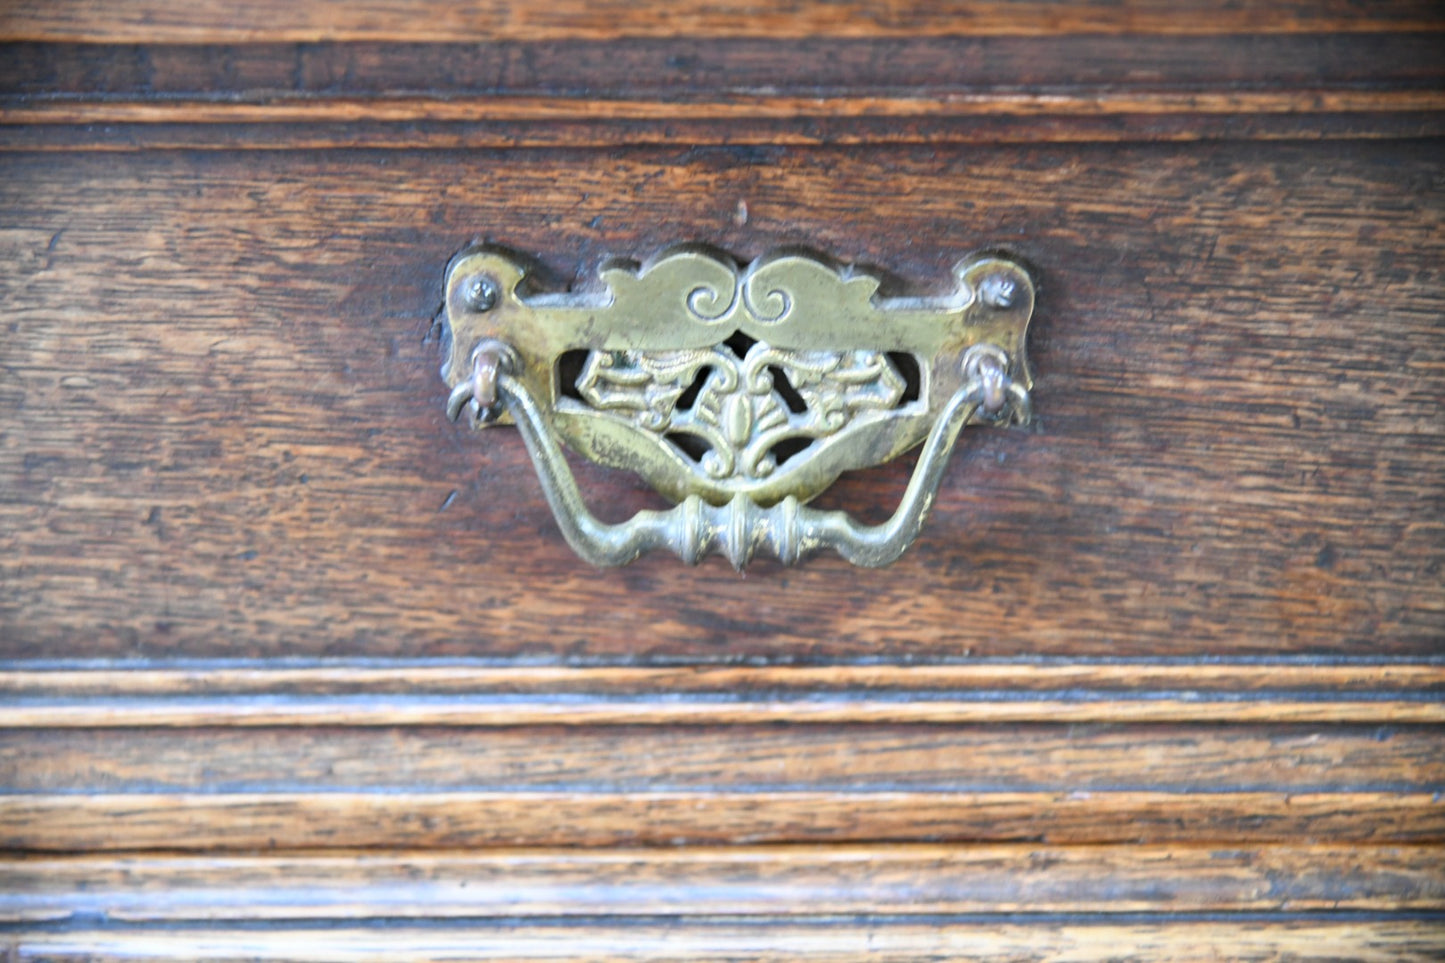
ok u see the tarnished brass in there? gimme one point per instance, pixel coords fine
(740, 393)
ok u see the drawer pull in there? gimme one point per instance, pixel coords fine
(740, 393)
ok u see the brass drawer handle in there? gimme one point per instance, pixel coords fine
(741, 393)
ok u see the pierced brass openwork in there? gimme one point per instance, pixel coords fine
(740, 392)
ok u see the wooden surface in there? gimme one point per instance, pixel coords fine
(291, 668)
(384, 780)
(1246, 939)
(462, 694)
(762, 87)
(141, 21)
(915, 67)
(746, 121)
(913, 880)
(1238, 449)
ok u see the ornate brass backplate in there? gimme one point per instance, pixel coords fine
(739, 392)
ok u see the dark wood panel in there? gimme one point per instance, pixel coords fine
(927, 65)
(223, 431)
(736, 881)
(271, 20)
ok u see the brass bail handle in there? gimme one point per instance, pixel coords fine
(714, 416)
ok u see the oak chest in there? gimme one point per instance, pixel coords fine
(294, 667)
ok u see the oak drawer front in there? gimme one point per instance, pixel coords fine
(293, 667)
(227, 437)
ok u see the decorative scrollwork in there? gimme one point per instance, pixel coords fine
(740, 410)
(709, 304)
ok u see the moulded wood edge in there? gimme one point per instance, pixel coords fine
(375, 710)
(526, 121)
(349, 819)
(68, 110)
(486, 696)
(836, 941)
(736, 881)
(335, 20)
(441, 676)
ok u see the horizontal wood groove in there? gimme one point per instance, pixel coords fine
(835, 941)
(157, 21)
(249, 821)
(910, 880)
(1110, 758)
(525, 121)
(472, 696)
(733, 107)
(772, 134)
(461, 711)
(442, 677)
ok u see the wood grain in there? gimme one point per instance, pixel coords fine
(917, 758)
(741, 134)
(1267, 680)
(292, 669)
(389, 785)
(776, 121)
(148, 21)
(745, 107)
(223, 432)
(412, 694)
(300, 820)
(908, 880)
(1246, 940)
(680, 68)
(411, 711)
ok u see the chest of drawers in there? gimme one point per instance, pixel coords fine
(292, 667)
